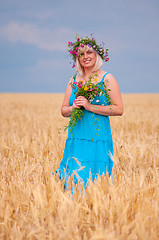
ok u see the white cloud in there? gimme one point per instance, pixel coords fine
(31, 34)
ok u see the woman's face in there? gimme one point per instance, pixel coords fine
(87, 58)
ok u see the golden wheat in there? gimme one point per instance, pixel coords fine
(33, 205)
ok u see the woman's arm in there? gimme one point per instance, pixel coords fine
(116, 109)
(66, 109)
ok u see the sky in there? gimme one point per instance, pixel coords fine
(34, 34)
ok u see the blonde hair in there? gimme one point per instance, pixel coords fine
(99, 61)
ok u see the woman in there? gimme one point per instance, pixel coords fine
(89, 145)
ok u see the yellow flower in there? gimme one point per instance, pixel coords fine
(81, 81)
(95, 79)
(85, 88)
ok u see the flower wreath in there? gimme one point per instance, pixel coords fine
(91, 42)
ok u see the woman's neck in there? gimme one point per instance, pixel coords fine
(88, 72)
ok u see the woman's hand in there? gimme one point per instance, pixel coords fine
(75, 105)
(82, 102)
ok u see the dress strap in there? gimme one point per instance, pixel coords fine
(104, 76)
(74, 77)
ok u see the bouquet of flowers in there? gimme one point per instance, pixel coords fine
(88, 89)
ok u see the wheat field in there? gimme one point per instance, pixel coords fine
(34, 205)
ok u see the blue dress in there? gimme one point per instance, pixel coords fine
(88, 151)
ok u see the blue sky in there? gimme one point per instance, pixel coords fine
(34, 36)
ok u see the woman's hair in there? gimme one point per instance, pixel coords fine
(99, 61)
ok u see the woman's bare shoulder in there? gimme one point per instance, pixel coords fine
(110, 81)
(109, 77)
(71, 80)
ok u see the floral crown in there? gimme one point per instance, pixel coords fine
(91, 42)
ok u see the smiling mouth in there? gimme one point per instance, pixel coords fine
(87, 61)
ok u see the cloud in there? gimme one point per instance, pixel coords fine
(47, 39)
